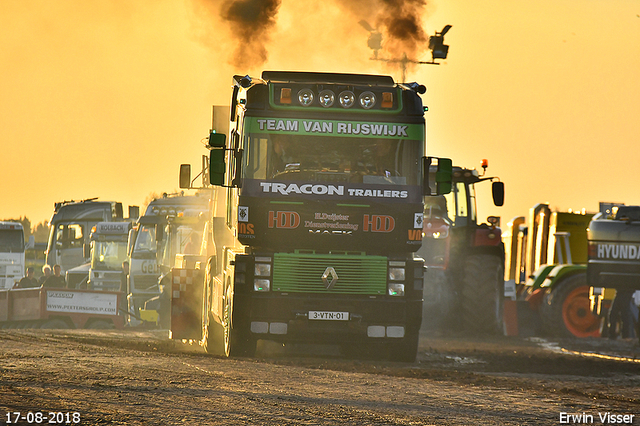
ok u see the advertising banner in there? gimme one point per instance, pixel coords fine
(82, 302)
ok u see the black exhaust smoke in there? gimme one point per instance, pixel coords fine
(251, 22)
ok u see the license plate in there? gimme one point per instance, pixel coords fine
(329, 316)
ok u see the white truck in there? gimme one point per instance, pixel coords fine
(69, 243)
(12, 248)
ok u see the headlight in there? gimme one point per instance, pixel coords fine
(346, 98)
(262, 269)
(367, 100)
(260, 284)
(396, 289)
(326, 98)
(305, 97)
(396, 274)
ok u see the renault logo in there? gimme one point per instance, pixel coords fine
(329, 278)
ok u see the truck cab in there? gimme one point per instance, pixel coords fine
(317, 215)
(108, 252)
(69, 243)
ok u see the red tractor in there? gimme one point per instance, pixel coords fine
(464, 283)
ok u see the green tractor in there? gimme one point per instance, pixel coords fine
(547, 260)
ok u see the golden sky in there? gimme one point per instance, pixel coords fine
(106, 98)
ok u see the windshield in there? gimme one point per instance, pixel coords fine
(461, 204)
(333, 159)
(145, 240)
(108, 255)
(11, 240)
(179, 239)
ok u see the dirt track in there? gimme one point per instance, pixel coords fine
(142, 378)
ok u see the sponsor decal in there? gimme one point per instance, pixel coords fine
(329, 224)
(82, 303)
(245, 228)
(330, 216)
(149, 267)
(335, 128)
(284, 220)
(415, 234)
(378, 223)
(243, 214)
(105, 227)
(418, 220)
(619, 251)
(319, 189)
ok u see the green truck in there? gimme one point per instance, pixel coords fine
(317, 196)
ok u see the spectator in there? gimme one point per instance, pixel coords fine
(46, 273)
(56, 280)
(28, 281)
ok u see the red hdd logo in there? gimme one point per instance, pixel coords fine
(378, 223)
(286, 220)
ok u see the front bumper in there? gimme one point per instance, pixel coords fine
(285, 317)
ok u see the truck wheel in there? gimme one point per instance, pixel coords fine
(482, 294)
(566, 310)
(55, 323)
(406, 350)
(212, 337)
(236, 342)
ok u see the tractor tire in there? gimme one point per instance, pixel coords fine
(482, 294)
(566, 310)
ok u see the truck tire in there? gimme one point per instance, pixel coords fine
(237, 342)
(407, 349)
(566, 311)
(482, 294)
(212, 337)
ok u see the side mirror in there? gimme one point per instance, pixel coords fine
(185, 176)
(217, 164)
(497, 190)
(443, 176)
